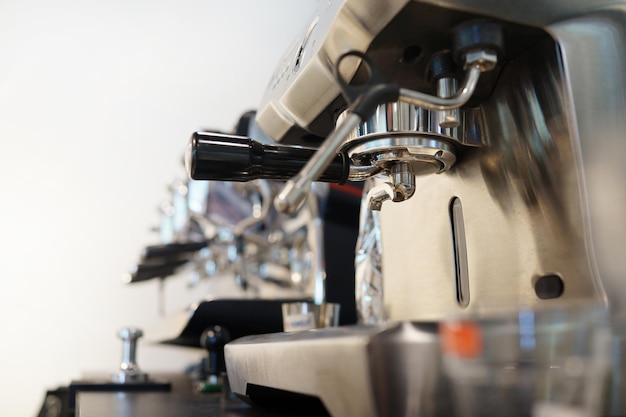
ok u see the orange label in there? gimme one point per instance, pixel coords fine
(462, 339)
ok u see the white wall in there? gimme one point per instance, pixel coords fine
(97, 100)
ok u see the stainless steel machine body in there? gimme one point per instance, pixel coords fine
(528, 209)
(541, 194)
(511, 216)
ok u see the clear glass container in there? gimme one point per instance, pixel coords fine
(548, 362)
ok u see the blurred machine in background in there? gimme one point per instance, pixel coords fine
(254, 257)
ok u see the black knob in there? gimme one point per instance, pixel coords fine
(213, 339)
(213, 156)
(442, 65)
(478, 34)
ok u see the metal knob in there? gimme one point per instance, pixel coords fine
(129, 370)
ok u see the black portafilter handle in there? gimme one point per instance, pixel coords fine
(214, 156)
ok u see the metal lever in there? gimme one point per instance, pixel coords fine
(297, 188)
(363, 99)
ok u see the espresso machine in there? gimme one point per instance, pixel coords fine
(490, 137)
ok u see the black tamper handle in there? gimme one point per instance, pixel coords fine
(213, 156)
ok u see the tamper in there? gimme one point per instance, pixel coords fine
(129, 371)
(128, 378)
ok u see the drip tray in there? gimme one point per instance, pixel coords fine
(352, 371)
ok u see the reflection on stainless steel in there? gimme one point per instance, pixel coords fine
(301, 315)
(424, 390)
(315, 241)
(368, 265)
(378, 194)
(260, 211)
(220, 229)
(446, 87)
(597, 86)
(402, 119)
